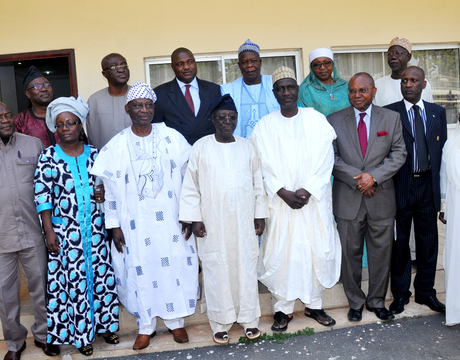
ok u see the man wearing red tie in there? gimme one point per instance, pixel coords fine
(369, 150)
(185, 102)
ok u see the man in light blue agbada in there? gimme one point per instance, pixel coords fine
(252, 93)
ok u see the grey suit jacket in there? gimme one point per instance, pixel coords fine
(385, 154)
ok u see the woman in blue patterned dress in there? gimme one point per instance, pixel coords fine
(81, 294)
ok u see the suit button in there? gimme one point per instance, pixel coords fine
(363, 168)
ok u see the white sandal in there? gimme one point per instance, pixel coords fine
(252, 336)
(221, 340)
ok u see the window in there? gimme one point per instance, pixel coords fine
(222, 68)
(440, 62)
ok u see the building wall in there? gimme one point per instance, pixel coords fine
(148, 28)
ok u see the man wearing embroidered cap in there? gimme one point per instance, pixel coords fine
(252, 93)
(223, 195)
(389, 87)
(300, 252)
(155, 266)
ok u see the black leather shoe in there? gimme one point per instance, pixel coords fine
(48, 349)
(355, 315)
(432, 302)
(15, 355)
(382, 313)
(397, 306)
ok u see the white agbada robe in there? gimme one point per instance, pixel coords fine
(450, 193)
(389, 91)
(223, 188)
(157, 273)
(298, 245)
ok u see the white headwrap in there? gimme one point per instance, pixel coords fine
(77, 106)
(141, 90)
(321, 52)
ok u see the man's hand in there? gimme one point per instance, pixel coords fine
(187, 230)
(118, 239)
(366, 181)
(52, 241)
(199, 229)
(259, 225)
(369, 192)
(294, 200)
(99, 193)
(441, 217)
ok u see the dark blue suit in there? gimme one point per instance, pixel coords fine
(172, 109)
(418, 198)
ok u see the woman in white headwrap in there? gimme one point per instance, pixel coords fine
(450, 193)
(81, 294)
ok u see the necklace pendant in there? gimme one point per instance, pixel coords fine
(332, 97)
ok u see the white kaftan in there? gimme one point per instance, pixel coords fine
(157, 273)
(299, 244)
(223, 188)
(450, 191)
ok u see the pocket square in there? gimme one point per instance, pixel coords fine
(382, 133)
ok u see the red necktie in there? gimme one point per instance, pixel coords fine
(362, 133)
(188, 97)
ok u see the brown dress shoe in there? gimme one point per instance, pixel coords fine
(180, 335)
(15, 355)
(48, 349)
(142, 341)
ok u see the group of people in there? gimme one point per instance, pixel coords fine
(193, 171)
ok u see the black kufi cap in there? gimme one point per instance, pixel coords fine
(32, 74)
(224, 103)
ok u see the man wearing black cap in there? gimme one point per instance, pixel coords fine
(223, 197)
(32, 120)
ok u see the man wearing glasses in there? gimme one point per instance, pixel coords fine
(32, 120)
(107, 115)
(399, 54)
(369, 150)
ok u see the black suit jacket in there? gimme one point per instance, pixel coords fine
(172, 109)
(436, 136)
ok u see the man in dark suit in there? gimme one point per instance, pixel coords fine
(417, 193)
(185, 102)
(369, 150)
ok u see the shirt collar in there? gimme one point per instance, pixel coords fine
(368, 111)
(419, 104)
(11, 140)
(193, 83)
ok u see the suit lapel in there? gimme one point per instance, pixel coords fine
(178, 100)
(353, 130)
(376, 125)
(430, 119)
(401, 109)
(204, 99)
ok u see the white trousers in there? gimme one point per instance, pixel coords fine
(170, 324)
(218, 327)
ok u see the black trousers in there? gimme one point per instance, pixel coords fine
(420, 207)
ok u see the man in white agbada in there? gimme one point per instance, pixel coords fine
(156, 269)
(300, 253)
(450, 212)
(252, 92)
(223, 195)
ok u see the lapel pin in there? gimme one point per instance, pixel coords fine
(437, 138)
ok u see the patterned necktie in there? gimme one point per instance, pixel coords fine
(188, 97)
(420, 141)
(362, 133)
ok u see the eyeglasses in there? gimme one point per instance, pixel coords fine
(396, 53)
(231, 118)
(40, 86)
(318, 65)
(361, 91)
(67, 125)
(117, 67)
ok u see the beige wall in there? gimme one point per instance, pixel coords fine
(145, 28)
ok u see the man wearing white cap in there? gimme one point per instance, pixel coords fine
(155, 267)
(300, 252)
(251, 93)
(389, 87)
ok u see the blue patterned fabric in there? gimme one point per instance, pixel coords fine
(81, 296)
